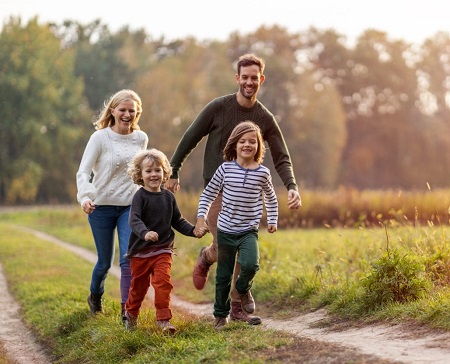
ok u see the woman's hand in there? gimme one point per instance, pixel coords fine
(88, 207)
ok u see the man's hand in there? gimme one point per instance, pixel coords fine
(172, 184)
(294, 200)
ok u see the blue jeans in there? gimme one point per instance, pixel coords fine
(104, 221)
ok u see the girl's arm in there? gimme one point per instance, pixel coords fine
(271, 204)
(210, 192)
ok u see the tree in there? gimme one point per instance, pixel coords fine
(97, 59)
(319, 129)
(42, 107)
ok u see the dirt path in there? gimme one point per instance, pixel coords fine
(18, 342)
(398, 343)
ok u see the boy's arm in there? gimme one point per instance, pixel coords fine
(135, 220)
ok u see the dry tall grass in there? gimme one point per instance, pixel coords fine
(348, 207)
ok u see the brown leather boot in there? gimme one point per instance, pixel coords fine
(200, 274)
(247, 302)
(166, 326)
(238, 314)
(220, 322)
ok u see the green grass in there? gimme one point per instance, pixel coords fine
(52, 284)
(301, 270)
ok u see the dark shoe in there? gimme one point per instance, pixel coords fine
(220, 322)
(166, 326)
(122, 315)
(130, 322)
(201, 270)
(95, 303)
(247, 302)
(238, 314)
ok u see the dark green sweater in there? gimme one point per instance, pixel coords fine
(217, 120)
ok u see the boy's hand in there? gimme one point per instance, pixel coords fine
(151, 236)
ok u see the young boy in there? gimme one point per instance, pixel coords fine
(154, 212)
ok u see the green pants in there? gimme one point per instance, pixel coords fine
(245, 246)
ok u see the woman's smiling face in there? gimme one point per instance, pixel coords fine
(124, 115)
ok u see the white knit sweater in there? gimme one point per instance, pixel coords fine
(107, 155)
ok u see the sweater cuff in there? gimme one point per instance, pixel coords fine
(292, 186)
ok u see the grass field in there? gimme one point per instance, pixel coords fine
(396, 273)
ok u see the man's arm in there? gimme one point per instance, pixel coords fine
(193, 135)
(283, 164)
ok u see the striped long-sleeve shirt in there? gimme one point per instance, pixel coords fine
(243, 193)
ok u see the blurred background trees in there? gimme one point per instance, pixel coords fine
(371, 115)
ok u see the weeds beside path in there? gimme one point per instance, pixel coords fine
(319, 335)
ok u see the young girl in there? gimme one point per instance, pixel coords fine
(154, 212)
(245, 183)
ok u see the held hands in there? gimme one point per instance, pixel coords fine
(271, 228)
(294, 200)
(201, 228)
(172, 184)
(151, 236)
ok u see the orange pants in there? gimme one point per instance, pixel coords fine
(155, 271)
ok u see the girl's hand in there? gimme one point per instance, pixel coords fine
(271, 228)
(151, 236)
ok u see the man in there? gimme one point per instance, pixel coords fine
(217, 120)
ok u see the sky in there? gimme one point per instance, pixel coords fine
(410, 20)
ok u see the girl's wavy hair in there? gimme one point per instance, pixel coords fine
(106, 118)
(153, 155)
(229, 152)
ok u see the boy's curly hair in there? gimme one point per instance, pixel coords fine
(153, 155)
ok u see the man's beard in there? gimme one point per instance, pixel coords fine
(247, 95)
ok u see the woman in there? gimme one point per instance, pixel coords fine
(105, 189)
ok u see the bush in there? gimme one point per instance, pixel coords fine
(394, 278)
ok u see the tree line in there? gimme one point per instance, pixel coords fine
(371, 115)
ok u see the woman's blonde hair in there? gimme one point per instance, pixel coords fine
(153, 155)
(229, 152)
(106, 119)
